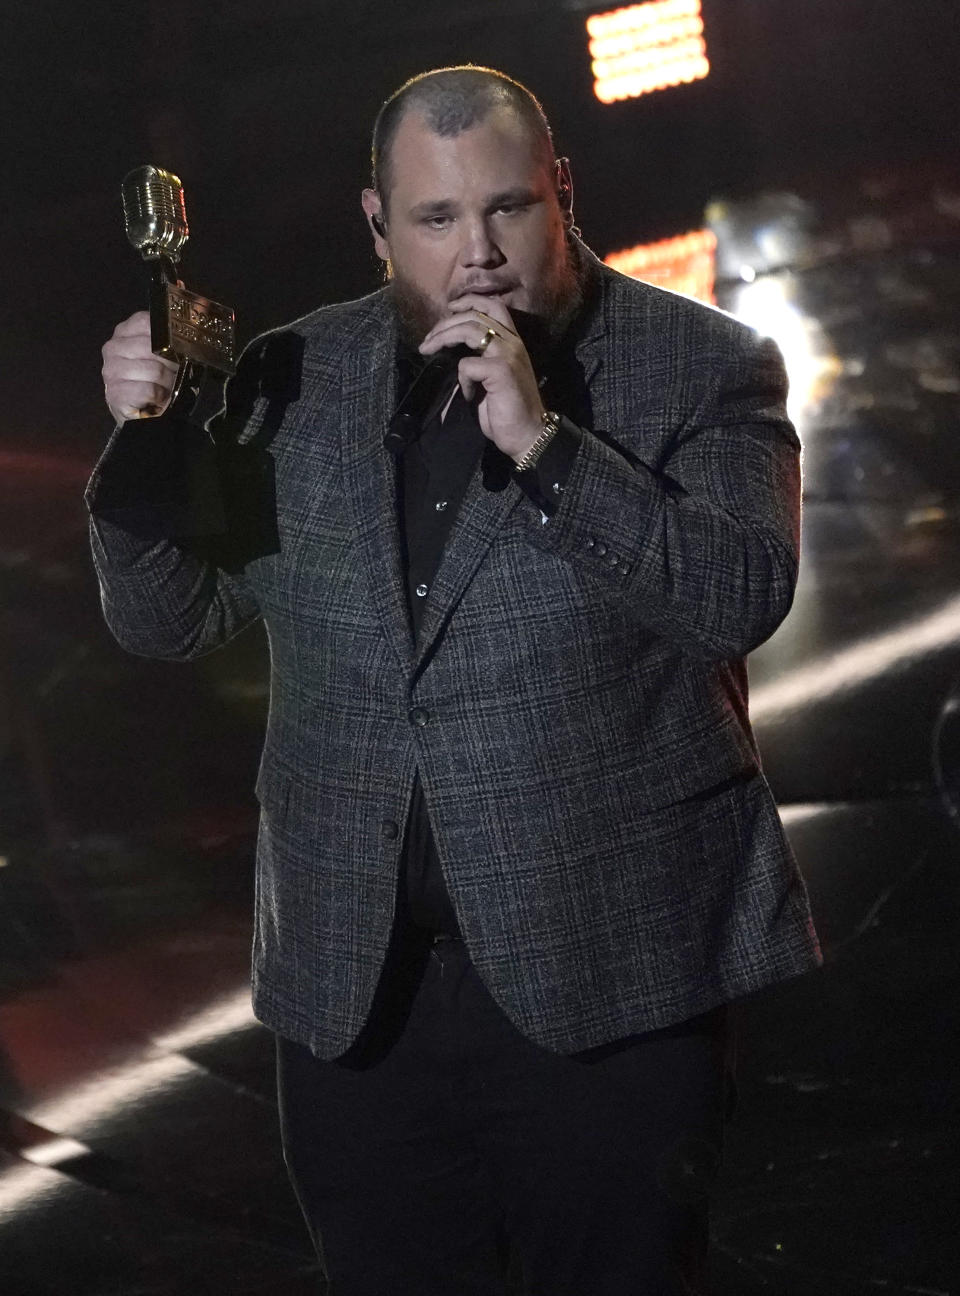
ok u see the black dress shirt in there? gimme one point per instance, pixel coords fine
(435, 471)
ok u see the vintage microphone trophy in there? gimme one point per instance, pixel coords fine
(194, 331)
(168, 477)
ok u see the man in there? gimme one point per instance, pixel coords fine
(516, 855)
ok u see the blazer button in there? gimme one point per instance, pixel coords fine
(589, 542)
(601, 549)
(419, 716)
(389, 829)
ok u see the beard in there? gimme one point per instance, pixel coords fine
(554, 303)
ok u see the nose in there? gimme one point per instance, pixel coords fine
(479, 247)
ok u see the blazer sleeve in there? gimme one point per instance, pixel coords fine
(705, 544)
(162, 553)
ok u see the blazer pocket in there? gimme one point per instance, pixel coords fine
(692, 765)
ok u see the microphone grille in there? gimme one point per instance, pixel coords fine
(154, 212)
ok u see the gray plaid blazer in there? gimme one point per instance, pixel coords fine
(576, 704)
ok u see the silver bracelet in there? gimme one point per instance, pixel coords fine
(551, 426)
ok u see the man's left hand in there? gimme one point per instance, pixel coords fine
(510, 408)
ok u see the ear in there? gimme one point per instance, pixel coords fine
(564, 182)
(373, 210)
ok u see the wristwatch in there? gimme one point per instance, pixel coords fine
(551, 426)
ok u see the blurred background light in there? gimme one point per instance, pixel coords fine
(684, 264)
(767, 303)
(646, 47)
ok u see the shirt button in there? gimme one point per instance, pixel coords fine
(601, 549)
(389, 829)
(440, 505)
(419, 716)
(421, 591)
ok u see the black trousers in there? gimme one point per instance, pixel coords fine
(444, 1140)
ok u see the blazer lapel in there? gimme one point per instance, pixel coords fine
(481, 515)
(370, 481)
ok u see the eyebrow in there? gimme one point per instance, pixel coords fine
(441, 206)
(435, 208)
(521, 194)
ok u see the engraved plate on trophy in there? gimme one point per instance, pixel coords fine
(186, 326)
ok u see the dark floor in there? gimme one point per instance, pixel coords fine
(138, 1133)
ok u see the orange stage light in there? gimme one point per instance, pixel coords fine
(646, 47)
(685, 264)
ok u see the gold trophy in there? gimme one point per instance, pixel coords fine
(194, 331)
(181, 481)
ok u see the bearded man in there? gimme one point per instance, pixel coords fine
(516, 854)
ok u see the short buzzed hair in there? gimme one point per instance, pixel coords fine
(452, 100)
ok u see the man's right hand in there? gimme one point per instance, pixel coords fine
(136, 383)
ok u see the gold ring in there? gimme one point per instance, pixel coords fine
(487, 338)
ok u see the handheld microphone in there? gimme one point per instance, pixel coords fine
(425, 395)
